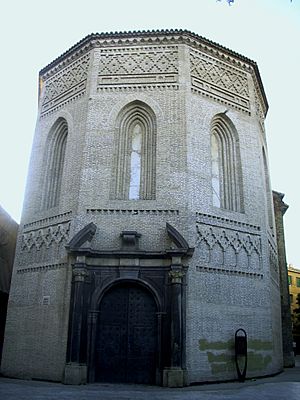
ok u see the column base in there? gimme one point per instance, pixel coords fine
(174, 377)
(75, 374)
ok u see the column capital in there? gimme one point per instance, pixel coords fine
(79, 274)
(176, 275)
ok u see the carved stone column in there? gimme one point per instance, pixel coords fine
(176, 274)
(92, 329)
(75, 372)
(175, 376)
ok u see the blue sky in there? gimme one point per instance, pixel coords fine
(35, 32)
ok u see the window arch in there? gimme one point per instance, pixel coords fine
(267, 188)
(55, 159)
(135, 153)
(227, 186)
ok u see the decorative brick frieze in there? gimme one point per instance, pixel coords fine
(223, 247)
(259, 111)
(222, 222)
(158, 38)
(138, 67)
(273, 262)
(224, 271)
(41, 268)
(45, 222)
(258, 107)
(66, 84)
(126, 212)
(63, 104)
(219, 80)
(137, 88)
(45, 237)
(148, 38)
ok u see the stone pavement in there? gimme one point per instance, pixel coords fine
(285, 386)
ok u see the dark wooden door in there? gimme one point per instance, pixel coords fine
(126, 344)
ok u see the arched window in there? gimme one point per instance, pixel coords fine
(55, 159)
(135, 153)
(227, 186)
(268, 189)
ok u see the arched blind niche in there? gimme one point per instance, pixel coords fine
(226, 181)
(55, 159)
(135, 153)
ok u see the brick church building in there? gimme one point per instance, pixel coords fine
(147, 237)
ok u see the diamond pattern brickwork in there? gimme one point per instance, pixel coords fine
(219, 80)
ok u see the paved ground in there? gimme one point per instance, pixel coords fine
(285, 386)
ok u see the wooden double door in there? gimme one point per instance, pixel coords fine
(127, 337)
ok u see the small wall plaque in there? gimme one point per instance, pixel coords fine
(46, 300)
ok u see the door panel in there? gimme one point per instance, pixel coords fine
(126, 345)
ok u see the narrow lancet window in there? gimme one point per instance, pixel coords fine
(215, 172)
(135, 154)
(135, 162)
(226, 171)
(55, 159)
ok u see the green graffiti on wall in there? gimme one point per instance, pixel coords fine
(260, 345)
(206, 345)
(220, 355)
(258, 361)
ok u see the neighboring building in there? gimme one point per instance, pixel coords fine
(147, 237)
(294, 285)
(8, 237)
(294, 290)
(280, 208)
